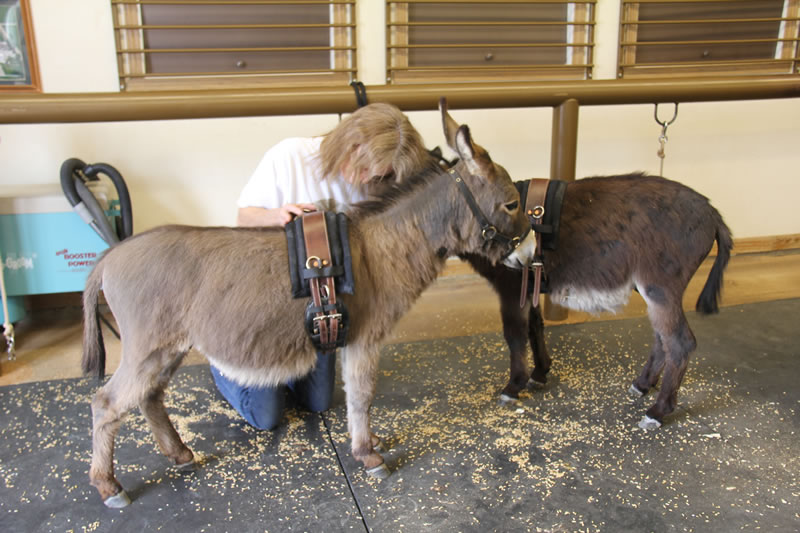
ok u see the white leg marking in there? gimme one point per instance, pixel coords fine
(505, 399)
(647, 423)
(635, 392)
(533, 384)
(118, 500)
(380, 472)
(191, 466)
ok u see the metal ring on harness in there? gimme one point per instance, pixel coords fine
(489, 233)
(536, 212)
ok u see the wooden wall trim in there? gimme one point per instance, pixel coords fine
(770, 243)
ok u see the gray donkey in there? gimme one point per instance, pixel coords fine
(226, 292)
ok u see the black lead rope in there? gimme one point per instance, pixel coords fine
(488, 231)
(361, 93)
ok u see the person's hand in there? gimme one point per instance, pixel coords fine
(279, 216)
(287, 212)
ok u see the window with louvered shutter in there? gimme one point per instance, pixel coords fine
(484, 41)
(711, 37)
(234, 43)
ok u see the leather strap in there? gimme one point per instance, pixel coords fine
(315, 234)
(534, 208)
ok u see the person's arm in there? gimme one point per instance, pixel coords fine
(279, 216)
(269, 198)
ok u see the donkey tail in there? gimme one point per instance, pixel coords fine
(708, 301)
(94, 350)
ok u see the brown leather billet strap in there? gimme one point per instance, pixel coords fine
(315, 233)
(318, 253)
(523, 293)
(534, 202)
(534, 209)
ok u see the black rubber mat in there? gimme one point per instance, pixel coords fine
(569, 457)
(286, 480)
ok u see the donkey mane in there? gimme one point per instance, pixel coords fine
(390, 195)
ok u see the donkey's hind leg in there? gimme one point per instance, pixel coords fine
(652, 369)
(677, 341)
(131, 385)
(109, 406)
(152, 407)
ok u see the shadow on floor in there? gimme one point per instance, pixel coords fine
(567, 458)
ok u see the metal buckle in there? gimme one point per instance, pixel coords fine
(317, 319)
(334, 316)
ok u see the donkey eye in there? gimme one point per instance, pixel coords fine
(511, 206)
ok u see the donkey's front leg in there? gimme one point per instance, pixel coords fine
(541, 357)
(514, 329)
(359, 371)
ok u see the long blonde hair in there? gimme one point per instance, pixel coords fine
(375, 137)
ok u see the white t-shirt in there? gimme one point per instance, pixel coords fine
(290, 173)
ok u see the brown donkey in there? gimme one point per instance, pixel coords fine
(617, 234)
(226, 292)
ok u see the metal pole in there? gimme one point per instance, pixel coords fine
(564, 141)
(169, 105)
(563, 156)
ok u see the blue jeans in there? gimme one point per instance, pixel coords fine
(262, 407)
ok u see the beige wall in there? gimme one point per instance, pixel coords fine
(743, 155)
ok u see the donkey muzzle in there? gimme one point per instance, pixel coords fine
(522, 255)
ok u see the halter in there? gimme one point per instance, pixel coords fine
(488, 231)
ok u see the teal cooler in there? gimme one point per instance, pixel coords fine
(44, 245)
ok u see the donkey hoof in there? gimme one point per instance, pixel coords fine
(506, 400)
(377, 445)
(535, 384)
(118, 500)
(379, 472)
(190, 466)
(647, 423)
(635, 391)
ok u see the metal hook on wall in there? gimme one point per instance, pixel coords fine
(662, 139)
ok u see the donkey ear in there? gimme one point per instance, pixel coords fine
(459, 139)
(449, 125)
(467, 150)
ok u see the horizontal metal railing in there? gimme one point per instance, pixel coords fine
(164, 105)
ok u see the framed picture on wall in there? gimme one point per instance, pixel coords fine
(18, 68)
